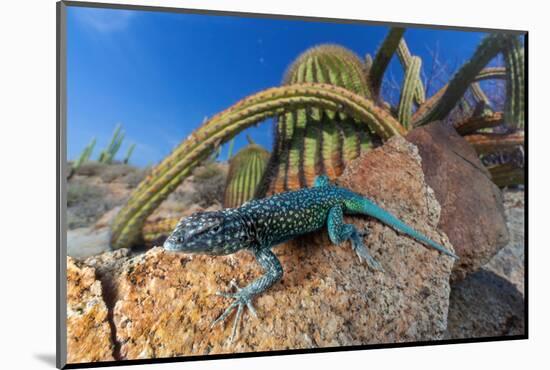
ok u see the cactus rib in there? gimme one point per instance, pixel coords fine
(474, 124)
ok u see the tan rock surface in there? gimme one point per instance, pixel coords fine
(163, 303)
(88, 330)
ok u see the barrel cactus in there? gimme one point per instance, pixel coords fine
(245, 171)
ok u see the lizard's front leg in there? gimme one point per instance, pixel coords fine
(243, 297)
(339, 232)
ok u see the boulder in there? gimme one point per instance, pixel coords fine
(485, 305)
(89, 336)
(472, 212)
(509, 262)
(163, 303)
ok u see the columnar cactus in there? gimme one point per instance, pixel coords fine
(405, 58)
(245, 171)
(83, 158)
(108, 154)
(409, 91)
(515, 80)
(382, 59)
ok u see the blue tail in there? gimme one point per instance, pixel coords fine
(371, 209)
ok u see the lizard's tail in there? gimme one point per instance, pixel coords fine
(370, 208)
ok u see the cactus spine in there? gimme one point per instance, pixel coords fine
(245, 171)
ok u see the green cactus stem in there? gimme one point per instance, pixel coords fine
(408, 91)
(83, 158)
(129, 154)
(383, 57)
(245, 171)
(405, 58)
(514, 111)
(165, 177)
(108, 154)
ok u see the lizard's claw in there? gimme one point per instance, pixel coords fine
(365, 232)
(241, 299)
(363, 253)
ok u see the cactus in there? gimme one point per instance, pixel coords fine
(230, 151)
(489, 47)
(108, 154)
(405, 58)
(299, 155)
(83, 158)
(507, 174)
(409, 91)
(129, 153)
(382, 59)
(515, 80)
(166, 176)
(245, 171)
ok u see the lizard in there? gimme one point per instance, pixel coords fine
(260, 224)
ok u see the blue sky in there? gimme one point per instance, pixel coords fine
(160, 74)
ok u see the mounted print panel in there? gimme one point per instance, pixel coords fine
(248, 184)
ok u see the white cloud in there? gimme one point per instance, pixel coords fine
(105, 20)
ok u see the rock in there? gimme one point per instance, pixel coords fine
(165, 302)
(485, 305)
(509, 262)
(88, 329)
(472, 212)
(87, 241)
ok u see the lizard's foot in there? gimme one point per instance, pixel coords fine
(365, 232)
(363, 253)
(241, 299)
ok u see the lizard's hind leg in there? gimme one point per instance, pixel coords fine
(339, 232)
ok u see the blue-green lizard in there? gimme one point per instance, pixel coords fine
(259, 225)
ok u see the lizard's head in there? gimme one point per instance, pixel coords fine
(214, 233)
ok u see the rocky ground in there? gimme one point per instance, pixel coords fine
(124, 304)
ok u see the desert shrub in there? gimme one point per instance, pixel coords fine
(91, 168)
(209, 184)
(133, 178)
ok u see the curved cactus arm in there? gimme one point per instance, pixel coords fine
(474, 124)
(478, 94)
(408, 91)
(515, 85)
(382, 59)
(490, 73)
(487, 143)
(225, 125)
(489, 47)
(405, 59)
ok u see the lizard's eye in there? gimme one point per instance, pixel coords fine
(216, 229)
